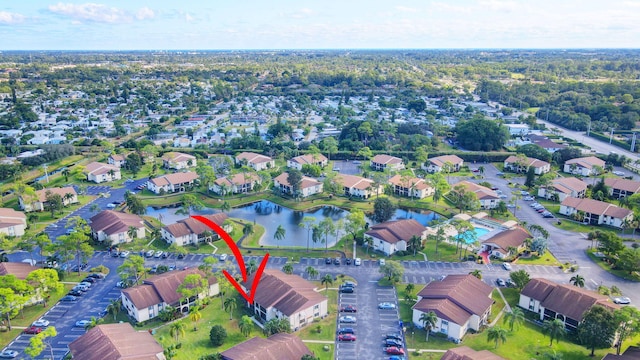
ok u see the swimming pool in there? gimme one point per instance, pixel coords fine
(469, 238)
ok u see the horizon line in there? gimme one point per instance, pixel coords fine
(335, 49)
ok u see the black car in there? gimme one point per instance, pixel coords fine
(165, 255)
(393, 336)
(327, 261)
(346, 289)
(343, 331)
(336, 261)
(348, 261)
(75, 293)
(89, 280)
(115, 254)
(392, 342)
(180, 256)
(96, 276)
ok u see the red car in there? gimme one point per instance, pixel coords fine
(348, 308)
(392, 350)
(33, 330)
(346, 337)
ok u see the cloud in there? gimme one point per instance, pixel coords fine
(11, 18)
(499, 5)
(406, 9)
(99, 13)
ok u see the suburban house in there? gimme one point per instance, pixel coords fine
(116, 342)
(358, 186)
(101, 172)
(500, 244)
(517, 129)
(619, 188)
(467, 353)
(192, 231)
(178, 161)
(308, 186)
(383, 162)
(411, 187)
(255, 161)
(117, 160)
(392, 236)
(308, 159)
(545, 143)
(275, 347)
(562, 188)
(522, 164)
(438, 163)
(596, 212)
(488, 198)
(18, 269)
(12, 223)
(234, 184)
(113, 226)
(68, 195)
(585, 166)
(145, 301)
(461, 303)
(290, 297)
(171, 183)
(559, 301)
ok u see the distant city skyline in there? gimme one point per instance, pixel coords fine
(327, 24)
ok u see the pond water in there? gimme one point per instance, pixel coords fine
(270, 216)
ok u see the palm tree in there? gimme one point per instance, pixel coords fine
(67, 197)
(497, 334)
(477, 273)
(326, 281)
(440, 234)
(307, 223)
(132, 232)
(225, 207)
(555, 329)
(577, 280)
(245, 324)
(114, 308)
(195, 316)
(287, 269)
(251, 267)
(415, 242)
(176, 329)
(429, 321)
(247, 229)
(230, 304)
(94, 208)
(93, 323)
(515, 317)
(279, 234)
(481, 170)
(311, 272)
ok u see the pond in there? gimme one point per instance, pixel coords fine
(271, 215)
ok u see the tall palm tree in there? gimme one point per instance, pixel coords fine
(429, 321)
(311, 272)
(555, 329)
(114, 308)
(225, 207)
(481, 170)
(440, 235)
(230, 304)
(195, 316)
(497, 334)
(251, 267)
(415, 242)
(577, 280)
(247, 229)
(287, 269)
(93, 323)
(176, 329)
(245, 324)
(307, 223)
(326, 281)
(132, 232)
(514, 318)
(279, 234)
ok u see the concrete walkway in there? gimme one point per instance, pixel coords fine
(319, 341)
(427, 350)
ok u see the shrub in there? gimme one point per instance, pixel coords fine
(217, 335)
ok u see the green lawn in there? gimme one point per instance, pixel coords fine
(546, 259)
(606, 266)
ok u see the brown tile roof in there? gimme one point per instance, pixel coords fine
(394, 231)
(11, 216)
(18, 269)
(596, 207)
(386, 159)
(569, 184)
(623, 184)
(632, 353)
(161, 288)
(467, 353)
(507, 238)
(177, 157)
(444, 309)
(117, 157)
(569, 300)
(116, 342)
(97, 168)
(42, 194)
(419, 184)
(309, 159)
(192, 226)
(468, 293)
(587, 162)
(545, 142)
(482, 192)
(276, 347)
(306, 181)
(441, 160)
(527, 161)
(237, 179)
(287, 293)
(253, 157)
(114, 222)
(176, 178)
(354, 181)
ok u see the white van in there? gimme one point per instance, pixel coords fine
(357, 262)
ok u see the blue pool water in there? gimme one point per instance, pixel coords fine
(469, 238)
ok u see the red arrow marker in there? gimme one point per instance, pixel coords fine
(236, 252)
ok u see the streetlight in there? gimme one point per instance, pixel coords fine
(611, 137)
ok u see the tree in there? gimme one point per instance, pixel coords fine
(287, 268)
(10, 303)
(629, 319)
(531, 178)
(114, 308)
(330, 146)
(597, 328)
(415, 242)
(275, 326)
(514, 318)
(132, 267)
(554, 328)
(230, 304)
(245, 324)
(577, 280)
(189, 202)
(53, 202)
(135, 204)
(177, 329)
(480, 134)
(326, 281)
(477, 273)
(326, 227)
(217, 335)
(497, 335)
(520, 278)
(355, 222)
(192, 286)
(539, 245)
(428, 321)
(45, 283)
(279, 234)
(38, 343)
(393, 270)
(94, 322)
(383, 209)
(307, 223)
(195, 316)
(311, 272)
(294, 178)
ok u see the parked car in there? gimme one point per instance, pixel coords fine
(33, 330)
(124, 254)
(346, 331)
(622, 300)
(41, 323)
(89, 280)
(327, 261)
(8, 354)
(150, 253)
(165, 255)
(347, 319)
(357, 262)
(83, 323)
(87, 284)
(348, 261)
(223, 257)
(386, 306)
(180, 256)
(500, 282)
(524, 193)
(346, 337)
(111, 206)
(541, 210)
(336, 261)
(75, 293)
(393, 336)
(392, 342)
(534, 204)
(349, 309)
(381, 262)
(68, 298)
(394, 350)
(528, 198)
(158, 254)
(96, 275)
(506, 266)
(547, 215)
(397, 357)
(81, 288)
(346, 289)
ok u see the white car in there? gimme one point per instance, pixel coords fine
(111, 205)
(223, 257)
(347, 319)
(386, 306)
(357, 262)
(158, 254)
(506, 266)
(125, 254)
(83, 323)
(40, 323)
(622, 300)
(85, 284)
(8, 354)
(382, 262)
